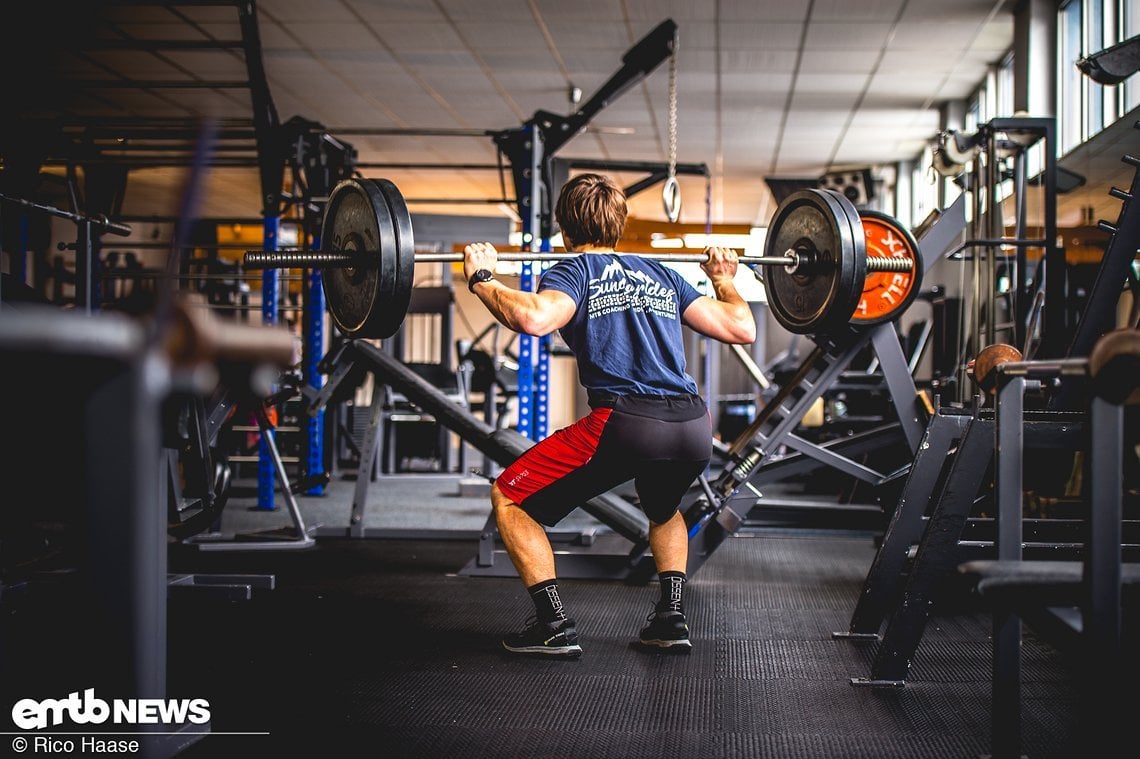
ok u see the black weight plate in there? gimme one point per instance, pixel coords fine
(823, 295)
(859, 242)
(357, 218)
(886, 295)
(405, 263)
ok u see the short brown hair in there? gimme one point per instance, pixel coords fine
(591, 210)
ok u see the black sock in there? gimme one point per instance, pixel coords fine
(547, 603)
(672, 587)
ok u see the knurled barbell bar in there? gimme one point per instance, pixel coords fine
(814, 285)
(795, 262)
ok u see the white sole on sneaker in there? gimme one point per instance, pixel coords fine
(678, 645)
(567, 651)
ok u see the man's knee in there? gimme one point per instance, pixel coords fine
(659, 519)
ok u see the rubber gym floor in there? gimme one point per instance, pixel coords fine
(378, 647)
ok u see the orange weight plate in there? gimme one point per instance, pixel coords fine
(886, 294)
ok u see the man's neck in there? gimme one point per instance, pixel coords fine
(591, 249)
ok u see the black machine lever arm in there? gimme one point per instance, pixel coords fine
(637, 63)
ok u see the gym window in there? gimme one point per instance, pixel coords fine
(1084, 27)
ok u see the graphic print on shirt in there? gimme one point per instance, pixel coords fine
(620, 289)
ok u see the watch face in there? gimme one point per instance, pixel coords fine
(886, 294)
(482, 275)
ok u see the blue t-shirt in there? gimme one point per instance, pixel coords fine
(626, 333)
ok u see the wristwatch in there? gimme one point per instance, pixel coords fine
(482, 275)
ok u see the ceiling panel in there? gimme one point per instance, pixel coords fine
(828, 35)
(839, 83)
(758, 62)
(589, 35)
(957, 86)
(934, 35)
(339, 35)
(914, 87)
(420, 35)
(518, 32)
(864, 10)
(904, 62)
(524, 88)
(586, 66)
(519, 62)
(570, 14)
(644, 13)
(866, 152)
(802, 163)
(749, 10)
(304, 12)
(757, 36)
(885, 119)
(941, 10)
(824, 101)
(687, 81)
(465, 10)
(841, 62)
(275, 38)
(755, 82)
(747, 101)
(387, 12)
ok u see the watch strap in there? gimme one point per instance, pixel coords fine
(482, 275)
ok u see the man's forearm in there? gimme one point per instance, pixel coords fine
(726, 292)
(513, 308)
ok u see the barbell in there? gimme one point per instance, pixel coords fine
(814, 268)
(1113, 365)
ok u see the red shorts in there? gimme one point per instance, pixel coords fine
(660, 442)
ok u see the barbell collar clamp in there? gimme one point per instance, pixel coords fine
(794, 262)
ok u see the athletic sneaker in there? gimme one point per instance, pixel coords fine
(667, 630)
(548, 638)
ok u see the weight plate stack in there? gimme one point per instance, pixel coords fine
(361, 298)
(823, 229)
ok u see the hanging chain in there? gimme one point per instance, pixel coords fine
(673, 106)
(671, 192)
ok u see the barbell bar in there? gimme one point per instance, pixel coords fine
(368, 259)
(792, 261)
